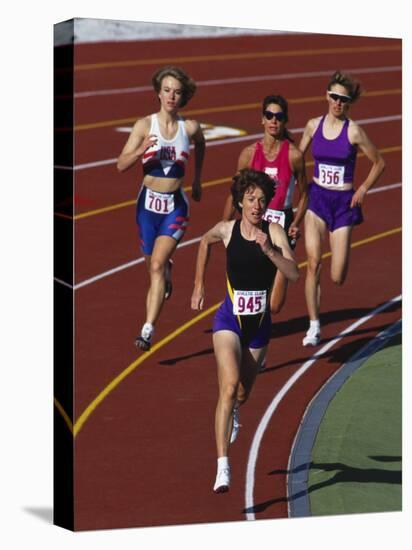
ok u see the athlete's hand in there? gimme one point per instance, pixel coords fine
(263, 241)
(358, 197)
(198, 298)
(196, 190)
(294, 232)
(148, 141)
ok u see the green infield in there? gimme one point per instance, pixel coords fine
(356, 459)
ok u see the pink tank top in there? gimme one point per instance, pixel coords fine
(281, 173)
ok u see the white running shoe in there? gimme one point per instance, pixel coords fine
(236, 426)
(222, 482)
(312, 338)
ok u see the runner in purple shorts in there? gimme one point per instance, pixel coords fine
(162, 142)
(241, 328)
(334, 206)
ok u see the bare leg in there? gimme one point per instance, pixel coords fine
(228, 356)
(315, 230)
(163, 249)
(278, 295)
(340, 241)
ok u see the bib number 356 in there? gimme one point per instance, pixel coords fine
(331, 176)
(249, 302)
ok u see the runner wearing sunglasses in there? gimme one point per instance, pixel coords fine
(277, 156)
(334, 205)
(161, 141)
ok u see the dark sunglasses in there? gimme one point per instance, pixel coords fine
(280, 117)
(343, 98)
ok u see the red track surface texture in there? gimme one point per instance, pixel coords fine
(146, 455)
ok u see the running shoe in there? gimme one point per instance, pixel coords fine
(144, 341)
(222, 481)
(312, 338)
(169, 285)
(236, 426)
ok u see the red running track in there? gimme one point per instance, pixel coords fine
(145, 455)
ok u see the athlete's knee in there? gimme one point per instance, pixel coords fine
(242, 395)
(157, 267)
(314, 265)
(338, 278)
(229, 391)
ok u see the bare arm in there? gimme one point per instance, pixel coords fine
(196, 135)
(298, 168)
(220, 232)
(136, 145)
(358, 136)
(244, 161)
(308, 134)
(285, 259)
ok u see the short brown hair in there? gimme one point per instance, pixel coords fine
(248, 178)
(352, 86)
(188, 84)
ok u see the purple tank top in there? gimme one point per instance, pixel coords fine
(335, 159)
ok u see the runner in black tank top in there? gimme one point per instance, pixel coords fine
(248, 270)
(241, 328)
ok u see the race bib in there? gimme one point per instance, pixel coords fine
(160, 203)
(271, 171)
(331, 176)
(249, 302)
(274, 216)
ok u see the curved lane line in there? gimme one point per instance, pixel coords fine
(65, 416)
(116, 381)
(257, 439)
(302, 446)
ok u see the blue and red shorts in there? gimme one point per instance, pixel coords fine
(160, 214)
(333, 207)
(253, 333)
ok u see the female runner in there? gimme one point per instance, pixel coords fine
(161, 141)
(277, 156)
(255, 249)
(334, 205)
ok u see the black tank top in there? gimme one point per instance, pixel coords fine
(248, 268)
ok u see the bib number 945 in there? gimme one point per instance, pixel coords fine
(249, 302)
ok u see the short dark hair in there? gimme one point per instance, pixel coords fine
(353, 87)
(248, 178)
(188, 84)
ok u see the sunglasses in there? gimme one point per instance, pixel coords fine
(280, 117)
(343, 98)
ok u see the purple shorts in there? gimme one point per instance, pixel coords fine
(253, 333)
(333, 207)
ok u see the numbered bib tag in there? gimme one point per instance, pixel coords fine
(274, 216)
(331, 176)
(249, 302)
(160, 203)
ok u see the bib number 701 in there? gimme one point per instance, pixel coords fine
(161, 203)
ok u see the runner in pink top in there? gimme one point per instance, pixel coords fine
(277, 156)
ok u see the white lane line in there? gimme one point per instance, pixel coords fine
(254, 450)
(297, 478)
(181, 245)
(239, 80)
(124, 266)
(251, 137)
